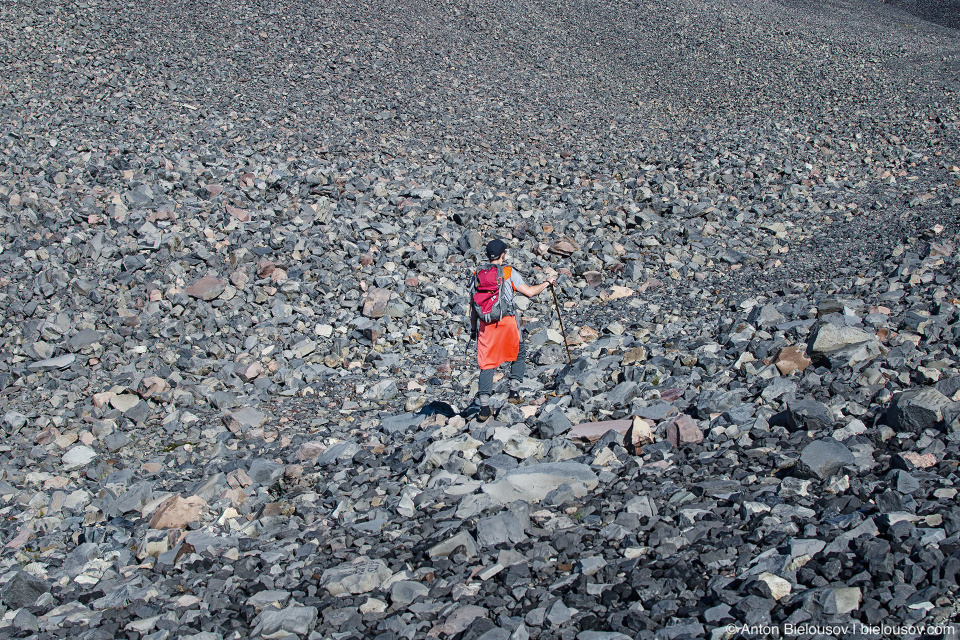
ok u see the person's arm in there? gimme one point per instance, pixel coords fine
(532, 291)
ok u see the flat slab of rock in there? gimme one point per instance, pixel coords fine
(823, 458)
(244, 419)
(176, 512)
(533, 483)
(356, 577)
(206, 288)
(60, 362)
(79, 456)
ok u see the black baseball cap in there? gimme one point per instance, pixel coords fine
(496, 248)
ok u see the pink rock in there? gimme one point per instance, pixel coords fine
(22, 538)
(153, 385)
(240, 214)
(593, 278)
(375, 304)
(176, 512)
(100, 400)
(251, 372)
(637, 429)
(562, 248)
(920, 460)
(792, 359)
(265, 268)
(239, 279)
(683, 430)
(206, 288)
(238, 478)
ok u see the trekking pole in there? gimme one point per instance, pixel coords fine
(563, 332)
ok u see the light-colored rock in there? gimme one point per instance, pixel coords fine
(206, 288)
(79, 456)
(361, 576)
(778, 587)
(176, 512)
(533, 483)
(792, 359)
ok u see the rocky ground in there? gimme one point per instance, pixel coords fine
(234, 243)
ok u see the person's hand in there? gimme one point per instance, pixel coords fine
(473, 335)
(552, 281)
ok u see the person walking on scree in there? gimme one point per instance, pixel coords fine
(500, 341)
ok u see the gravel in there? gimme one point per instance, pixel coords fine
(235, 380)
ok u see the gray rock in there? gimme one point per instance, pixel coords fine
(60, 362)
(295, 619)
(553, 423)
(809, 414)
(460, 542)
(78, 456)
(534, 482)
(404, 592)
(402, 422)
(23, 590)
(916, 410)
(823, 458)
(361, 576)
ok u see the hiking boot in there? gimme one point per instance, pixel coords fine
(484, 414)
(514, 397)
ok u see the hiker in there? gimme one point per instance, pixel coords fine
(493, 323)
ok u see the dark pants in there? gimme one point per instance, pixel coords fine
(518, 368)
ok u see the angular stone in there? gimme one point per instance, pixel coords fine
(553, 423)
(792, 359)
(534, 482)
(682, 430)
(501, 528)
(806, 413)
(250, 372)
(124, 402)
(776, 587)
(79, 456)
(23, 589)
(206, 288)
(60, 362)
(593, 431)
(382, 390)
(458, 621)
(84, 338)
(402, 422)
(563, 248)
(463, 541)
(916, 410)
(244, 419)
(376, 302)
(176, 512)
(360, 576)
(295, 619)
(830, 337)
(405, 592)
(823, 458)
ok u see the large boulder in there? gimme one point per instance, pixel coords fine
(917, 409)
